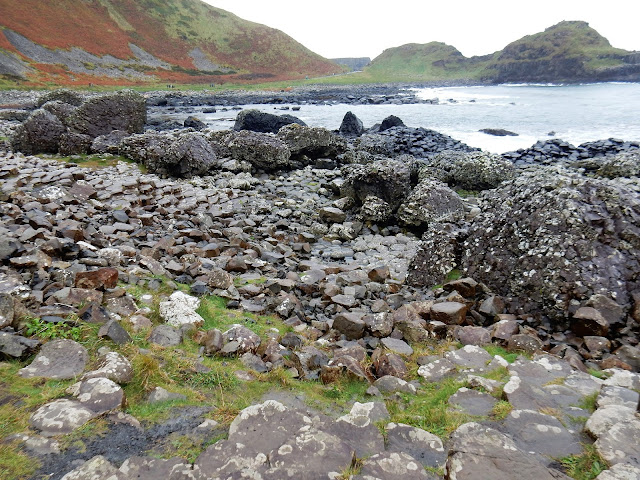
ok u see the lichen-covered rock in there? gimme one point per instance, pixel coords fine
(148, 149)
(109, 143)
(60, 359)
(60, 416)
(74, 144)
(625, 164)
(190, 154)
(40, 133)
(390, 180)
(261, 150)
(125, 110)
(551, 237)
(469, 170)
(375, 144)
(257, 121)
(60, 109)
(63, 95)
(430, 201)
(313, 142)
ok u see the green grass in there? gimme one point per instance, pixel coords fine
(586, 466)
(93, 161)
(502, 352)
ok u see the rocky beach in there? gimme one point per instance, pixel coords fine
(285, 301)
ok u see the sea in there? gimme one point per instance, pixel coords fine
(574, 113)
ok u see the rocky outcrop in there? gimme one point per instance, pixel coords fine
(473, 171)
(124, 110)
(263, 122)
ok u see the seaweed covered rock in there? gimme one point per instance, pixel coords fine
(469, 170)
(40, 133)
(261, 150)
(552, 238)
(257, 121)
(313, 142)
(125, 110)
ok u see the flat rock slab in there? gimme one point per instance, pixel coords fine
(621, 443)
(601, 421)
(392, 466)
(60, 417)
(479, 452)
(539, 433)
(542, 370)
(472, 402)
(624, 397)
(149, 468)
(620, 471)
(437, 370)
(397, 346)
(58, 359)
(470, 356)
(421, 445)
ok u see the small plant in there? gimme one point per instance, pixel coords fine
(586, 466)
(45, 330)
(501, 409)
(353, 469)
(589, 402)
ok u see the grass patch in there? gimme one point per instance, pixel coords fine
(588, 403)
(429, 409)
(95, 161)
(502, 352)
(501, 409)
(598, 374)
(586, 466)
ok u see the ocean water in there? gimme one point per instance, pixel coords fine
(575, 113)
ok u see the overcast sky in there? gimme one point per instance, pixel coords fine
(356, 28)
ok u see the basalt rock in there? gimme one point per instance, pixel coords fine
(261, 150)
(312, 142)
(40, 133)
(263, 122)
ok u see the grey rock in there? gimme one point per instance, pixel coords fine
(351, 125)
(40, 133)
(601, 421)
(114, 332)
(166, 336)
(99, 394)
(16, 346)
(97, 467)
(312, 142)
(620, 471)
(425, 447)
(621, 443)
(392, 466)
(437, 370)
(6, 310)
(263, 122)
(472, 402)
(430, 202)
(59, 359)
(125, 110)
(612, 395)
(349, 324)
(60, 417)
(391, 384)
(149, 468)
(159, 394)
(247, 340)
(397, 346)
(470, 356)
(469, 170)
(261, 150)
(113, 366)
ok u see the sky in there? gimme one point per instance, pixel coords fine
(356, 28)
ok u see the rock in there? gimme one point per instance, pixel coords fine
(390, 364)
(212, 341)
(450, 313)
(108, 143)
(96, 468)
(149, 468)
(74, 144)
(349, 324)
(165, 336)
(379, 274)
(16, 346)
(246, 339)
(58, 359)
(477, 451)
(425, 447)
(351, 125)
(498, 132)
(391, 466)
(391, 384)
(620, 396)
(524, 343)
(473, 335)
(63, 95)
(379, 324)
(397, 346)
(124, 110)
(113, 366)
(390, 122)
(6, 310)
(97, 279)
(624, 164)
(589, 321)
(40, 133)
(194, 122)
(620, 471)
(621, 443)
(543, 434)
(437, 370)
(261, 150)
(312, 142)
(114, 332)
(159, 394)
(180, 310)
(607, 416)
(580, 257)
(263, 122)
(189, 155)
(629, 355)
(60, 417)
(472, 402)
(472, 171)
(332, 214)
(99, 394)
(430, 202)
(253, 362)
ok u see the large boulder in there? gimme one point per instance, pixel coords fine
(314, 142)
(469, 170)
(431, 201)
(389, 180)
(552, 238)
(190, 154)
(125, 110)
(263, 122)
(261, 150)
(40, 133)
(148, 149)
(60, 109)
(61, 95)
(351, 125)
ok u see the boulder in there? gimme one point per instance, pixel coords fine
(148, 149)
(60, 359)
(194, 122)
(180, 310)
(621, 443)
(430, 201)
(16, 346)
(425, 447)
(189, 155)
(62, 95)
(165, 336)
(60, 109)
(112, 365)
(351, 125)
(60, 417)
(349, 324)
(390, 122)
(473, 171)
(7, 310)
(261, 150)
(626, 164)
(72, 143)
(312, 142)
(124, 110)
(551, 238)
(99, 394)
(263, 122)
(40, 133)
(109, 143)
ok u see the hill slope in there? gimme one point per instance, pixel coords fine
(126, 41)
(566, 52)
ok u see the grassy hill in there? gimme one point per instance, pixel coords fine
(566, 52)
(76, 42)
